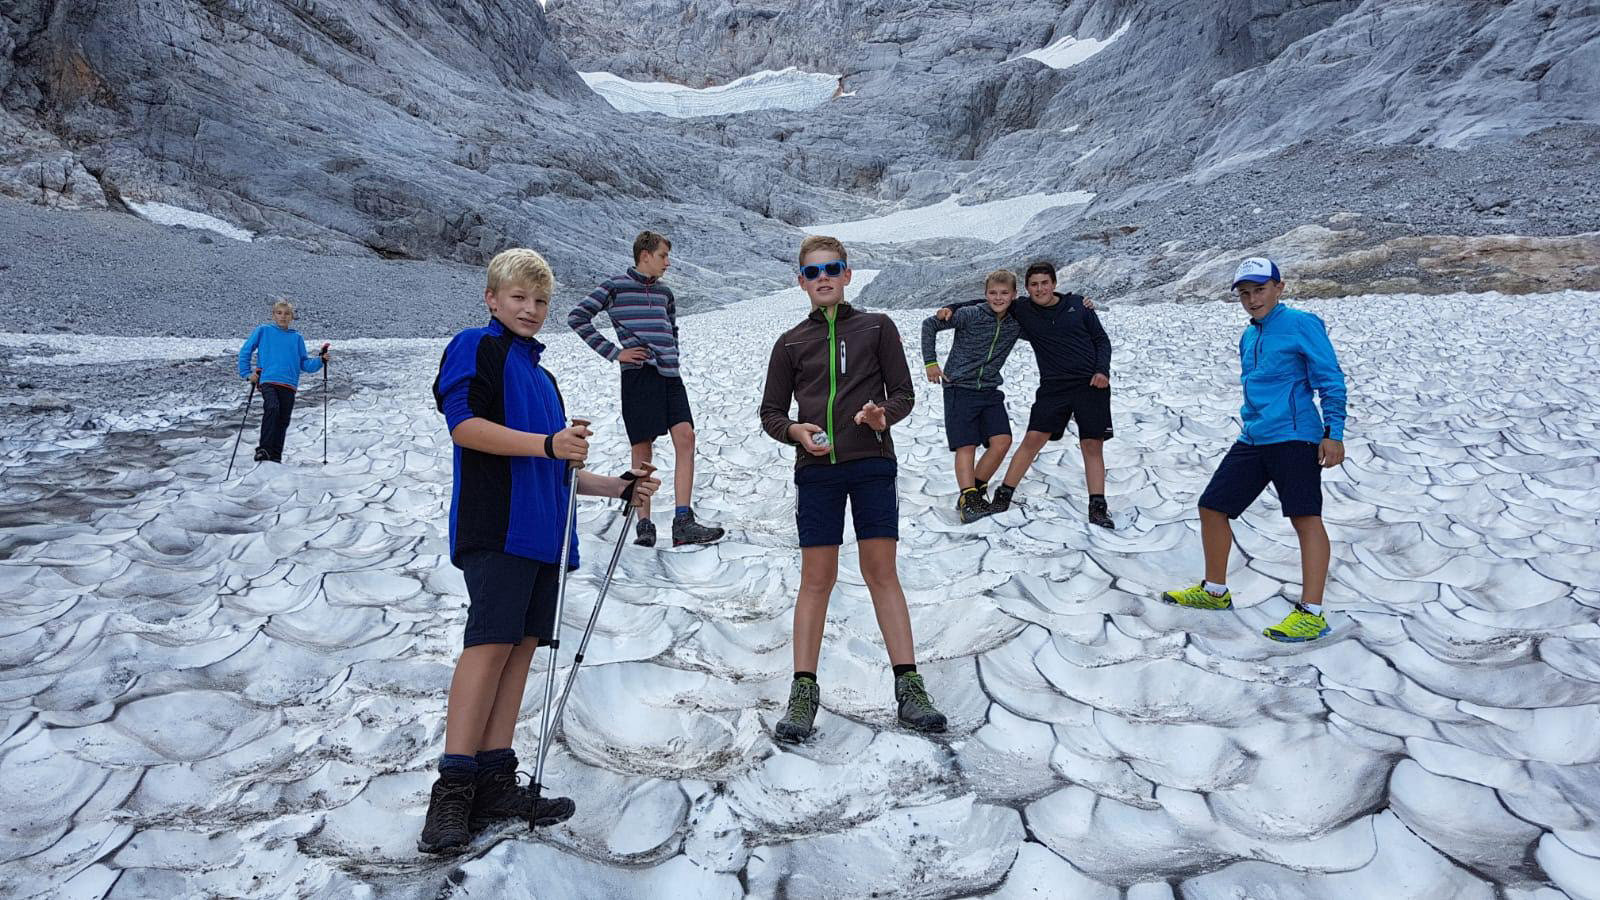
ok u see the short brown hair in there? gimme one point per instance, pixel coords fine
(525, 267)
(648, 242)
(821, 242)
(1040, 267)
(1001, 276)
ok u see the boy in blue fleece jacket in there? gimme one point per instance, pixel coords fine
(508, 511)
(280, 357)
(1284, 358)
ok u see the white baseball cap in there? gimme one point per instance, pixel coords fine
(1258, 270)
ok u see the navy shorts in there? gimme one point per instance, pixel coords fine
(508, 597)
(1057, 403)
(822, 489)
(1244, 473)
(652, 403)
(973, 417)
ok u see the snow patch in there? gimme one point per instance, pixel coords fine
(993, 221)
(166, 214)
(1068, 51)
(788, 88)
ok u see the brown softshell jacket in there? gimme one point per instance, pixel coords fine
(835, 368)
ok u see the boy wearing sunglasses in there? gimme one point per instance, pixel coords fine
(845, 370)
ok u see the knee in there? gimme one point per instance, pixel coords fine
(817, 586)
(683, 437)
(1035, 440)
(879, 577)
(1000, 444)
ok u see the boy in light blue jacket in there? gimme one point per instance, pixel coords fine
(1284, 358)
(280, 356)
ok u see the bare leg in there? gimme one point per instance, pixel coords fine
(502, 724)
(641, 455)
(964, 467)
(992, 457)
(1032, 443)
(1094, 465)
(472, 696)
(683, 462)
(1216, 537)
(1315, 553)
(819, 569)
(888, 599)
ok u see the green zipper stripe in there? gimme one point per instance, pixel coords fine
(833, 383)
(992, 341)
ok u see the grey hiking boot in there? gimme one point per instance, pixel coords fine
(449, 808)
(1098, 514)
(685, 530)
(797, 722)
(1002, 499)
(971, 505)
(645, 533)
(499, 795)
(916, 707)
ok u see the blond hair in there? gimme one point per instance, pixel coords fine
(282, 303)
(821, 242)
(1001, 276)
(522, 266)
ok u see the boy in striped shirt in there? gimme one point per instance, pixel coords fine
(644, 315)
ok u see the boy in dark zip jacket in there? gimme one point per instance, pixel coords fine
(1284, 357)
(846, 372)
(974, 407)
(280, 356)
(512, 459)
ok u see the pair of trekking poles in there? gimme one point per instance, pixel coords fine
(550, 716)
(251, 398)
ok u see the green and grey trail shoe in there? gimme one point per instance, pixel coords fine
(449, 807)
(1198, 597)
(916, 707)
(797, 722)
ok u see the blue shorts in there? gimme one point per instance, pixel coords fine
(822, 489)
(508, 598)
(1244, 473)
(973, 417)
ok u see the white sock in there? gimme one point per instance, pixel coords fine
(1217, 589)
(1314, 608)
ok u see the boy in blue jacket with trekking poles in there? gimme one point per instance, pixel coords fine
(1285, 358)
(279, 357)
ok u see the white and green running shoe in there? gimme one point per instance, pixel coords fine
(1198, 597)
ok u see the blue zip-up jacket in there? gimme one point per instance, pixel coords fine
(644, 314)
(281, 354)
(513, 504)
(1283, 359)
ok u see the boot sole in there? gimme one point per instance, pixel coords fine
(443, 849)
(678, 543)
(789, 737)
(926, 729)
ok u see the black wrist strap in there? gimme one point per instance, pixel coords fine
(550, 446)
(627, 489)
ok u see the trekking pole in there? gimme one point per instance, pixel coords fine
(324, 355)
(248, 400)
(594, 617)
(561, 602)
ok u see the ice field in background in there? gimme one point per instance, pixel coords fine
(238, 689)
(1067, 51)
(167, 214)
(993, 221)
(782, 89)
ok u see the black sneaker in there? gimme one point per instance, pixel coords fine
(1002, 498)
(449, 808)
(799, 719)
(645, 533)
(499, 795)
(971, 505)
(916, 707)
(983, 489)
(685, 530)
(1098, 514)
(262, 455)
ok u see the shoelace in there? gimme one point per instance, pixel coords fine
(803, 705)
(453, 805)
(917, 695)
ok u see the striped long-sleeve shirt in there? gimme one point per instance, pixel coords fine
(643, 313)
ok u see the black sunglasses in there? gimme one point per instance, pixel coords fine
(832, 269)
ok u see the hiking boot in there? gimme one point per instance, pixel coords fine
(1299, 626)
(798, 720)
(262, 455)
(645, 533)
(916, 707)
(685, 530)
(1098, 514)
(971, 505)
(983, 489)
(449, 808)
(500, 796)
(1002, 499)
(1198, 597)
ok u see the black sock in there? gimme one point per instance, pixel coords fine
(811, 676)
(1097, 496)
(904, 668)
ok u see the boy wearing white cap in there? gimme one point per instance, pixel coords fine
(1284, 357)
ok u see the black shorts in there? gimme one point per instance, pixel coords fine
(973, 417)
(652, 403)
(508, 597)
(821, 492)
(1057, 403)
(1291, 467)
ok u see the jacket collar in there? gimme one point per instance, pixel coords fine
(1270, 316)
(640, 277)
(845, 312)
(497, 329)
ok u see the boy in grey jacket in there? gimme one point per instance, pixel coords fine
(974, 407)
